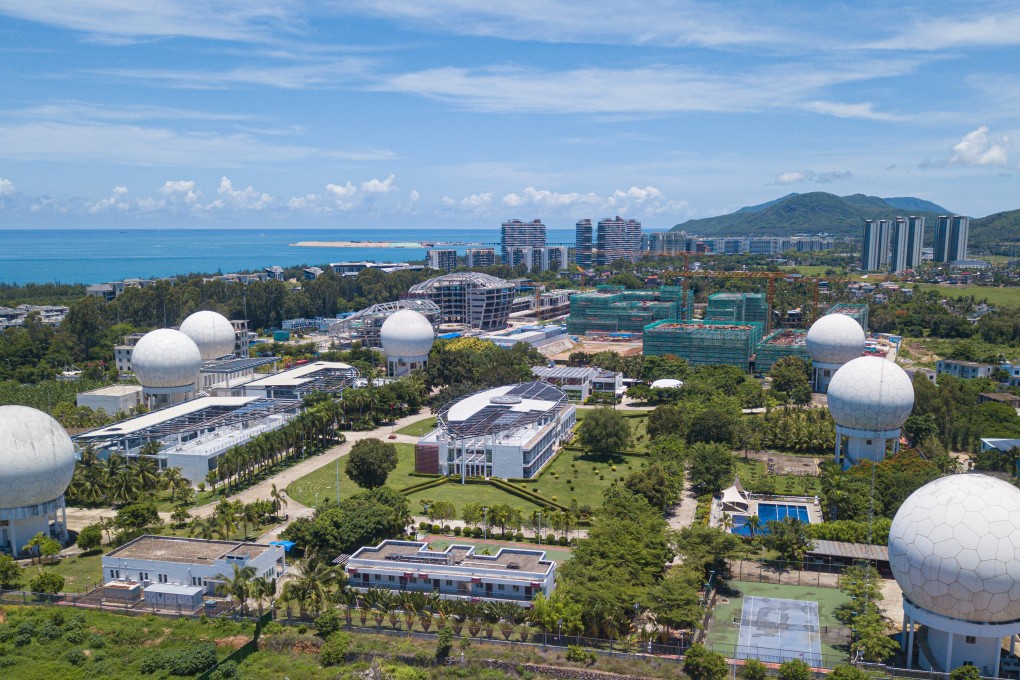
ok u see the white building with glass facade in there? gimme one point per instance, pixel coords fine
(510, 432)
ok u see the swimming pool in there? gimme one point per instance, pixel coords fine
(768, 512)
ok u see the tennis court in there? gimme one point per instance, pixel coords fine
(777, 630)
(724, 630)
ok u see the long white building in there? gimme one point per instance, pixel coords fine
(516, 575)
(510, 432)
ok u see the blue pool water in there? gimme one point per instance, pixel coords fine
(768, 512)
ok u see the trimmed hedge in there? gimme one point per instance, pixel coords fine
(421, 486)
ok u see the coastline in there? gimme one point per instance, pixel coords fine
(360, 244)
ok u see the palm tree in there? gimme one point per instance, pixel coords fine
(172, 479)
(239, 586)
(279, 500)
(316, 582)
(249, 515)
(727, 521)
(753, 524)
(263, 589)
(207, 528)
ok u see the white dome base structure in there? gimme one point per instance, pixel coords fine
(19, 525)
(954, 549)
(854, 446)
(821, 375)
(407, 338)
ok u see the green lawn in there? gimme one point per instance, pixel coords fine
(419, 428)
(80, 572)
(323, 480)
(468, 493)
(1003, 297)
(723, 633)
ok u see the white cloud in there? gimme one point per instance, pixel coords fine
(239, 199)
(977, 148)
(655, 89)
(415, 196)
(949, 32)
(148, 146)
(123, 19)
(793, 177)
(341, 191)
(799, 176)
(115, 200)
(863, 110)
(181, 191)
(6, 187)
(375, 186)
(327, 74)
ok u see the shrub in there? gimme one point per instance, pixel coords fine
(77, 636)
(334, 650)
(424, 526)
(579, 654)
(46, 582)
(22, 640)
(446, 528)
(90, 538)
(551, 538)
(457, 531)
(477, 532)
(519, 536)
(191, 660)
(49, 631)
(443, 644)
(702, 664)
(845, 671)
(97, 641)
(436, 529)
(226, 670)
(755, 670)
(76, 657)
(328, 623)
(965, 672)
(563, 540)
(794, 669)
(302, 629)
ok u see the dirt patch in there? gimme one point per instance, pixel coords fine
(233, 642)
(787, 464)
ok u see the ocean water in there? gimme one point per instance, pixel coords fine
(100, 255)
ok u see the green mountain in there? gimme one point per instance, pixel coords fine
(997, 233)
(812, 212)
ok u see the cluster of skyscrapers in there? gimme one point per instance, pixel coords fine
(669, 242)
(614, 239)
(895, 245)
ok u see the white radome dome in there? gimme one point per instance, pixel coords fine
(166, 358)
(667, 383)
(954, 548)
(407, 333)
(212, 332)
(870, 393)
(835, 339)
(36, 457)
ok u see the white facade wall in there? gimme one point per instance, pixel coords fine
(112, 403)
(270, 564)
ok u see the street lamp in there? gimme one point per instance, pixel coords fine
(559, 632)
(540, 527)
(486, 511)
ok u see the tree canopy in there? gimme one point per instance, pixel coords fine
(604, 431)
(370, 462)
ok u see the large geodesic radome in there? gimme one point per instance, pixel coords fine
(36, 457)
(835, 339)
(166, 358)
(870, 393)
(954, 548)
(212, 332)
(406, 333)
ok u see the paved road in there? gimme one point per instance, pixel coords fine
(77, 518)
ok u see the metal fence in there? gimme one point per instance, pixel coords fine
(787, 573)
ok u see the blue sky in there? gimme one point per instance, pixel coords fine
(405, 113)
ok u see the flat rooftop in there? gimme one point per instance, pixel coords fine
(115, 390)
(164, 415)
(235, 365)
(295, 377)
(419, 557)
(185, 550)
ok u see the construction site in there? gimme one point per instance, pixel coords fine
(613, 309)
(858, 313)
(737, 308)
(782, 343)
(704, 342)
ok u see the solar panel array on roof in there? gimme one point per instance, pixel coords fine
(501, 414)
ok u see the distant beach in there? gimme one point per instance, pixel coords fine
(359, 244)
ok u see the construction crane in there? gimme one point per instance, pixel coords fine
(772, 277)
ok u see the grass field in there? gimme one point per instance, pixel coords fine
(80, 572)
(588, 475)
(419, 428)
(722, 633)
(1001, 297)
